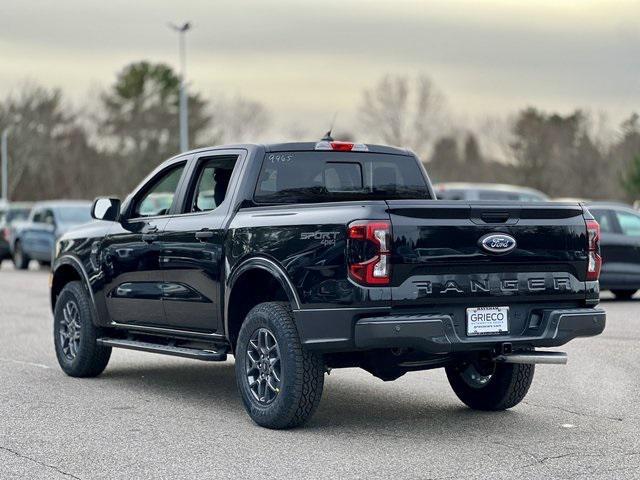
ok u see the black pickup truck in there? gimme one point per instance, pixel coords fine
(298, 258)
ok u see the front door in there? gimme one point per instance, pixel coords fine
(131, 253)
(192, 247)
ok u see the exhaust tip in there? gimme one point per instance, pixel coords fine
(550, 358)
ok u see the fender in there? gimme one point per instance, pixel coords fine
(262, 263)
(77, 265)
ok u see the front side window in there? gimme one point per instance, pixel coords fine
(629, 223)
(158, 198)
(38, 216)
(212, 182)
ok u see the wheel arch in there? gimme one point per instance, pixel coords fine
(254, 281)
(68, 269)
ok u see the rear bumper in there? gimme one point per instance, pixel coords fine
(437, 334)
(355, 329)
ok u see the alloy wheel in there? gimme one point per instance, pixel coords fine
(69, 330)
(263, 366)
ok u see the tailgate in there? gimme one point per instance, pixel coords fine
(438, 255)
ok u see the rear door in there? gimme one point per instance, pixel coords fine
(192, 244)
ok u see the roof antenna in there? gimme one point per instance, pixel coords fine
(327, 136)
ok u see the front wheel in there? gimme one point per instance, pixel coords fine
(280, 382)
(20, 259)
(74, 334)
(493, 386)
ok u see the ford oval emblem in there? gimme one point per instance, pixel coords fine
(497, 243)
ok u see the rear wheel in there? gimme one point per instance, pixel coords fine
(490, 386)
(20, 259)
(280, 382)
(623, 294)
(74, 334)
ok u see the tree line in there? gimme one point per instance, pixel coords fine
(58, 151)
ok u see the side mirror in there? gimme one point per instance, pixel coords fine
(106, 209)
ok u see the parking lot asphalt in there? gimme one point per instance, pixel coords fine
(150, 416)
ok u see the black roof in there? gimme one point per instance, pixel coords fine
(301, 147)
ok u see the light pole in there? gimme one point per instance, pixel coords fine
(5, 165)
(184, 113)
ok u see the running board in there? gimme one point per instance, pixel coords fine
(557, 358)
(194, 353)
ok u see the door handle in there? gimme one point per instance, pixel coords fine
(149, 237)
(204, 234)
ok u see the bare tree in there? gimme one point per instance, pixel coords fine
(400, 112)
(238, 120)
(49, 155)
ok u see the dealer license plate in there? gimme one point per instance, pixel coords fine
(487, 320)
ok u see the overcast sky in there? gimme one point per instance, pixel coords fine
(306, 60)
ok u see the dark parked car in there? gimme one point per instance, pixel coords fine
(35, 238)
(9, 214)
(302, 257)
(487, 191)
(620, 243)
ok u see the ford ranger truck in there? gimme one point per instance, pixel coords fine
(298, 258)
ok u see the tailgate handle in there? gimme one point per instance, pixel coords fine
(495, 217)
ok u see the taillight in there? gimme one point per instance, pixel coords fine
(5, 233)
(369, 252)
(341, 146)
(595, 260)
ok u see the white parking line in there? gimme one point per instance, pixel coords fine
(20, 362)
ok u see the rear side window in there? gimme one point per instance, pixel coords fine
(212, 181)
(292, 177)
(605, 219)
(629, 223)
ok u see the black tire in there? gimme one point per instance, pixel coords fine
(301, 373)
(20, 259)
(507, 385)
(86, 358)
(623, 294)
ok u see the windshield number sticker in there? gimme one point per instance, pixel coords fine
(280, 158)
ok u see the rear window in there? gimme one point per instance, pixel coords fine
(292, 177)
